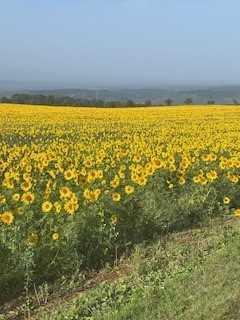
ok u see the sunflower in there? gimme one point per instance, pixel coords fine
(237, 212)
(86, 194)
(99, 174)
(8, 183)
(181, 181)
(47, 206)
(16, 197)
(116, 197)
(28, 198)
(129, 189)
(7, 217)
(70, 207)
(2, 199)
(65, 192)
(92, 175)
(115, 182)
(69, 174)
(57, 205)
(55, 236)
(226, 200)
(114, 219)
(20, 211)
(26, 185)
(91, 195)
(141, 180)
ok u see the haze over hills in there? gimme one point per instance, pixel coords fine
(199, 94)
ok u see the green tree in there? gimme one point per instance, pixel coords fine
(148, 102)
(188, 101)
(169, 102)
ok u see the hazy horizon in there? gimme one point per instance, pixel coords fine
(13, 86)
(127, 43)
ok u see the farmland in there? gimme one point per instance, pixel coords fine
(82, 187)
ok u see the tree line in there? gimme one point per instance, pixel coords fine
(52, 100)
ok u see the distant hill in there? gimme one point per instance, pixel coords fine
(219, 94)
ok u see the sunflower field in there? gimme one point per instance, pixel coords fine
(81, 186)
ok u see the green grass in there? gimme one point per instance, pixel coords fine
(202, 290)
(193, 274)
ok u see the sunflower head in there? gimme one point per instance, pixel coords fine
(7, 217)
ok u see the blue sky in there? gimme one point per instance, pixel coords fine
(120, 42)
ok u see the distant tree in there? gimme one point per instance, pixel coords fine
(99, 103)
(211, 102)
(169, 102)
(4, 100)
(130, 103)
(235, 101)
(188, 101)
(51, 100)
(20, 98)
(148, 102)
(113, 104)
(58, 100)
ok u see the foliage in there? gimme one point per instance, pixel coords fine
(189, 275)
(80, 187)
(61, 100)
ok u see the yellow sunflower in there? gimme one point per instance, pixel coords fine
(47, 206)
(7, 217)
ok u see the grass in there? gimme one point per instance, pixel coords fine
(192, 274)
(201, 290)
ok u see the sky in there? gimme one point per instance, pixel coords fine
(120, 42)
